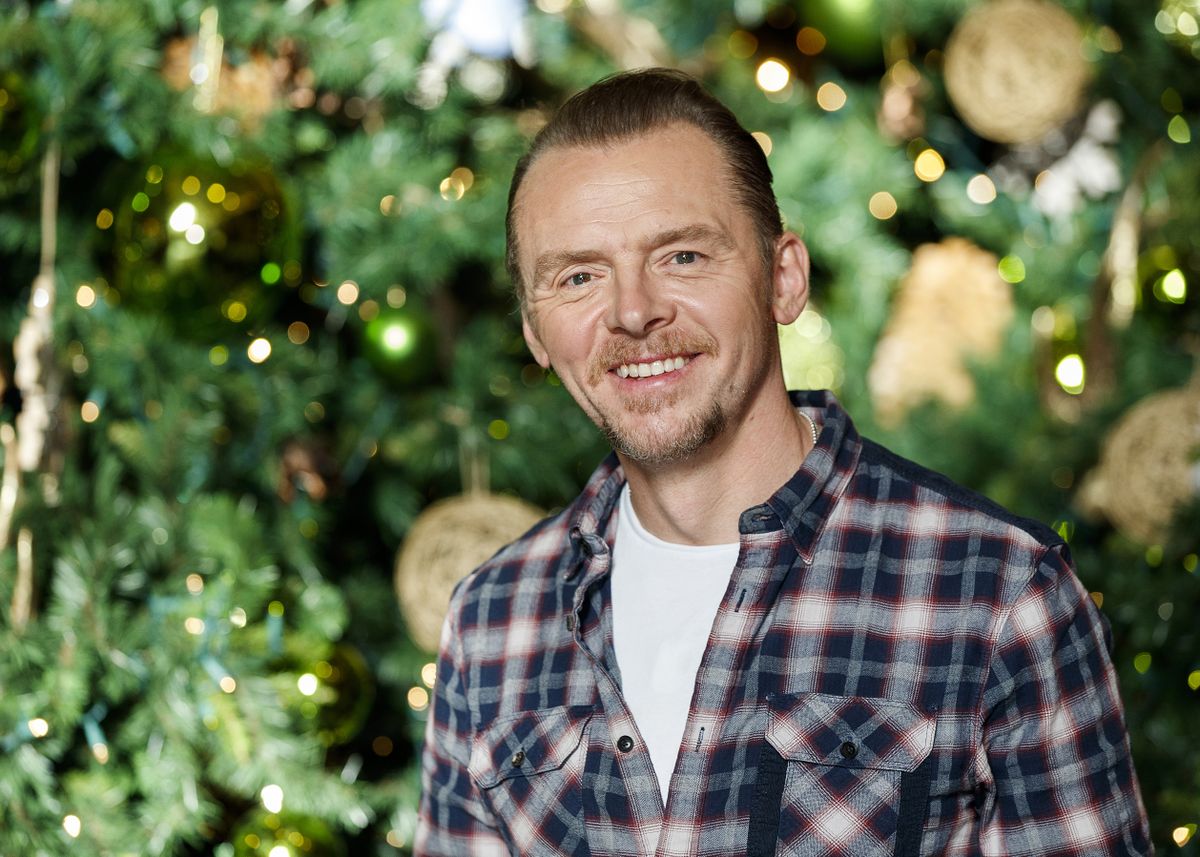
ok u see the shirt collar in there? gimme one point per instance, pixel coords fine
(801, 506)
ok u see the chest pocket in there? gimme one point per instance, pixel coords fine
(529, 769)
(850, 773)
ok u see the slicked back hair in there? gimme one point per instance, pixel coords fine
(633, 103)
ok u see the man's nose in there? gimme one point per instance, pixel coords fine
(637, 305)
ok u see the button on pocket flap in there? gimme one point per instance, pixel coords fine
(529, 742)
(851, 731)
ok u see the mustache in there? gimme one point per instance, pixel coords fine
(628, 350)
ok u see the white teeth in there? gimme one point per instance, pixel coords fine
(647, 370)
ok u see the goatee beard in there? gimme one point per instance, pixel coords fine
(699, 430)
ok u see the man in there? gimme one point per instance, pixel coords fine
(754, 632)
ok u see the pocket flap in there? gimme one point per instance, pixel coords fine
(529, 742)
(850, 731)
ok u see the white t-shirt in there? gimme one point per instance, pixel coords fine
(664, 600)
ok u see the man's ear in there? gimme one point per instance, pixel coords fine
(789, 280)
(535, 344)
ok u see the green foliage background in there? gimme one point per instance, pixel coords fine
(190, 467)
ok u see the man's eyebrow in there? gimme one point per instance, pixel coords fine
(693, 232)
(550, 262)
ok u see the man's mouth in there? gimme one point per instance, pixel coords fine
(651, 368)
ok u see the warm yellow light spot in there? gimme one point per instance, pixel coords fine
(235, 310)
(395, 337)
(1193, 679)
(280, 851)
(981, 190)
(307, 684)
(1043, 321)
(395, 839)
(764, 141)
(1190, 562)
(1141, 661)
(194, 234)
(218, 355)
(258, 350)
(742, 45)
(553, 7)
(154, 174)
(1097, 598)
(418, 698)
(429, 674)
(194, 625)
(1174, 286)
(1183, 834)
(1070, 374)
(182, 217)
(89, 411)
(1011, 269)
(904, 73)
(85, 296)
(452, 188)
(194, 583)
(323, 669)
(272, 797)
(227, 684)
(191, 185)
(38, 727)
(882, 205)
(275, 608)
(368, 310)
(386, 204)
(100, 751)
(772, 75)
(464, 175)
(104, 219)
(72, 825)
(831, 97)
(498, 429)
(216, 193)
(929, 165)
(347, 292)
(298, 333)
(232, 201)
(237, 617)
(810, 41)
(396, 297)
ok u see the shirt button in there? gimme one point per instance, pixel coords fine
(848, 749)
(518, 758)
(624, 743)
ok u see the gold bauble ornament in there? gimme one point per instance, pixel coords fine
(1148, 468)
(1014, 69)
(448, 540)
(951, 305)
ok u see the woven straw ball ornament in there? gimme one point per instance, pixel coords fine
(1014, 69)
(1149, 468)
(449, 540)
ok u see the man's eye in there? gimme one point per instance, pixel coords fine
(684, 257)
(580, 279)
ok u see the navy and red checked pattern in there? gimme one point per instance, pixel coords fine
(925, 667)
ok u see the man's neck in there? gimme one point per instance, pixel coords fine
(699, 500)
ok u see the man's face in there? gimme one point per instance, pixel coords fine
(645, 290)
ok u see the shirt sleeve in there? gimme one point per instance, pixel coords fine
(453, 820)
(1056, 767)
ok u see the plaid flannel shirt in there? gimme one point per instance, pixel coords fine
(898, 666)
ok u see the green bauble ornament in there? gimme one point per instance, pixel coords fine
(851, 27)
(336, 693)
(402, 345)
(260, 833)
(205, 247)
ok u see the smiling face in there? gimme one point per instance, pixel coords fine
(645, 291)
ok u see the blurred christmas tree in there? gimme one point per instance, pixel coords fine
(252, 266)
